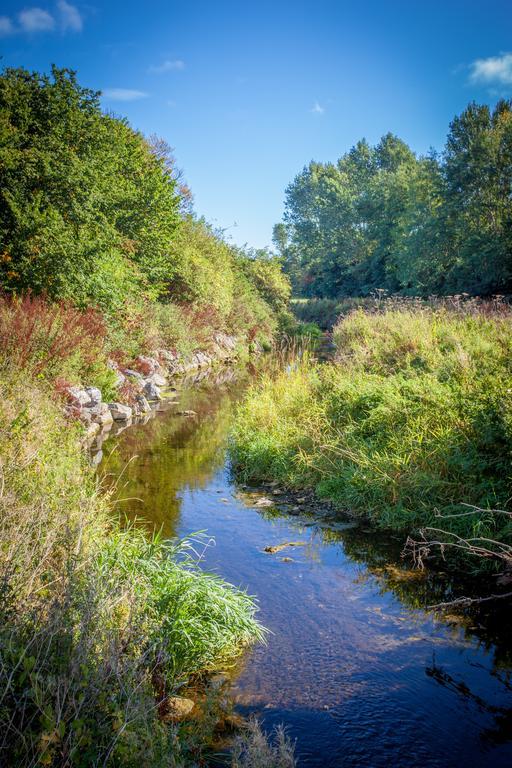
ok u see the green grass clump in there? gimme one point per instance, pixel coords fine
(413, 419)
(97, 624)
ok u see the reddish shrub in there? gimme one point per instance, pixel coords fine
(39, 336)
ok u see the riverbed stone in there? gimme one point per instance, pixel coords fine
(178, 708)
(157, 379)
(147, 365)
(120, 411)
(78, 396)
(100, 414)
(151, 391)
(94, 396)
(142, 405)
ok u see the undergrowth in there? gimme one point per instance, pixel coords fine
(98, 624)
(412, 419)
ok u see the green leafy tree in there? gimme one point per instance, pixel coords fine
(87, 209)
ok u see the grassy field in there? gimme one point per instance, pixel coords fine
(411, 420)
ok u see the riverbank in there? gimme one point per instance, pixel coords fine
(354, 649)
(409, 426)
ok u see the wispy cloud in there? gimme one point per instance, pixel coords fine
(123, 94)
(36, 20)
(317, 109)
(66, 17)
(70, 17)
(496, 70)
(169, 65)
(6, 26)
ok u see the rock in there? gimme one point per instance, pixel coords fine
(94, 396)
(178, 707)
(92, 431)
(287, 560)
(78, 396)
(278, 547)
(167, 356)
(100, 414)
(230, 722)
(147, 365)
(131, 374)
(96, 458)
(264, 502)
(151, 391)
(158, 380)
(120, 412)
(142, 405)
(186, 413)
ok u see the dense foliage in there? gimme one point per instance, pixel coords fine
(384, 218)
(93, 213)
(413, 419)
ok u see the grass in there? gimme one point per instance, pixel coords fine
(98, 625)
(413, 418)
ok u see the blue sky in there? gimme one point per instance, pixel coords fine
(248, 93)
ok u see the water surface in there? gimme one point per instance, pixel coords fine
(355, 667)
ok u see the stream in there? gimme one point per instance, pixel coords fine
(355, 667)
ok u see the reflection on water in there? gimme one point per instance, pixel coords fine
(357, 669)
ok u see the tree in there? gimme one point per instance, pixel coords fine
(87, 210)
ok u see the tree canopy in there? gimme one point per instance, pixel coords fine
(382, 217)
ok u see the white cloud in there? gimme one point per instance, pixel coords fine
(494, 70)
(123, 94)
(317, 109)
(36, 20)
(6, 27)
(170, 65)
(69, 17)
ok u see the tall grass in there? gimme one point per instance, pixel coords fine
(412, 419)
(98, 625)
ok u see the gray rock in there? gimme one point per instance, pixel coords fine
(79, 397)
(131, 374)
(151, 391)
(100, 414)
(158, 380)
(94, 396)
(141, 404)
(120, 412)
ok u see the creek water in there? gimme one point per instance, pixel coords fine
(356, 668)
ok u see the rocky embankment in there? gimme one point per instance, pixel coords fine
(140, 386)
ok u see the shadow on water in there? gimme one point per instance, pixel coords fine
(356, 667)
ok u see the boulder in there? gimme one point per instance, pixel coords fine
(120, 412)
(158, 380)
(78, 396)
(94, 396)
(147, 365)
(100, 414)
(151, 391)
(141, 405)
(131, 374)
(177, 708)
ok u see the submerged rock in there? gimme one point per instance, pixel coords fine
(264, 502)
(278, 547)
